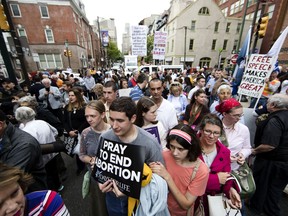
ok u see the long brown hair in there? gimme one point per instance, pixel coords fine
(143, 106)
(80, 101)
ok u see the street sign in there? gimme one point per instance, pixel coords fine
(234, 58)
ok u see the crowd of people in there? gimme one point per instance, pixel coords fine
(192, 131)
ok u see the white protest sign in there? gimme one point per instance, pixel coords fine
(121, 162)
(257, 70)
(159, 48)
(139, 40)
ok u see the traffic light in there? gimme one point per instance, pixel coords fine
(65, 53)
(262, 26)
(69, 53)
(3, 20)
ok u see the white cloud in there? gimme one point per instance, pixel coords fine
(124, 11)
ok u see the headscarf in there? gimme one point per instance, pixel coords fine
(227, 105)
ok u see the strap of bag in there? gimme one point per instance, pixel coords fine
(192, 177)
(195, 170)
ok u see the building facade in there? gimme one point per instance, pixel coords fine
(277, 10)
(51, 30)
(200, 35)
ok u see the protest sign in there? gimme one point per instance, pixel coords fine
(154, 131)
(159, 45)
(139, 40)
(121, 162)
(257, 70)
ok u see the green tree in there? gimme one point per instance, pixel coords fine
(113, 53)
(150, 44)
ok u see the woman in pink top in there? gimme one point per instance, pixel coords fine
(181, 160)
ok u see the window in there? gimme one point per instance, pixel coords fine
(235, 44)
(238, 28)
(225, 44)
(222, 1)
(49, 36)
(193, 25)
(205, 61)
(203, 11)
(271, 10)
(172, 46)
(236, 7)
(225, 11)
(216, 28)
(15, 10)
(251, 2)
(191, 44)
(228, 27)
(44, 12)
(168, 46)
(49, 61)
(213, 44)
(74, 17)
(21, 32)
(77, 36)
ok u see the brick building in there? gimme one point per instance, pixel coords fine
(46, 28)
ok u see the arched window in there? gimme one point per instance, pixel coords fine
(205, 61)
(204, 11)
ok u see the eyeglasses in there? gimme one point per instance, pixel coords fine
(209, 132)
(237, 115)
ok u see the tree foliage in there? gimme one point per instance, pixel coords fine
(113, 53)
(150, 44)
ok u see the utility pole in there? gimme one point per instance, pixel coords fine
(67, 50)
(185, 36)
(101, 48)
(254, 21)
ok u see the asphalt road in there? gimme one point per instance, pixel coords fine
(72, 194)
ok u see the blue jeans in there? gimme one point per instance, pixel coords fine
(116, 206)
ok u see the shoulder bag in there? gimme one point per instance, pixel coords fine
(200, 209)
(218, 206)
(69, 142)
(245, 180)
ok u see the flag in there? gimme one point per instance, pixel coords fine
(245, 48)
(240, 66)
(244, 52)
(275, 49)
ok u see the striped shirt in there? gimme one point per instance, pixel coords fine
(45, 203)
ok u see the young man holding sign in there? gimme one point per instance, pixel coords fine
(121, 155)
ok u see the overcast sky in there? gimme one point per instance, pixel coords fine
(124, 11)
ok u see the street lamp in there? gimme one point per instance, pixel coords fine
(67, 49)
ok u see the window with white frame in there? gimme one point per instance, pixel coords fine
(222, 1)
(15, 10)
(203, 11)
(44, 11)
(271, 10)
(193, 25)
(213, 47)
(74, 17)
(216, 27)
(77, 36)
(191, 44)
(225, 11)
(225, 43)
(49, 35)
(235, 44)
(205, 61)
(237, 6)
(49, 61)
(238, 28)
(172, 46)
(228, 27)
(21, 32)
